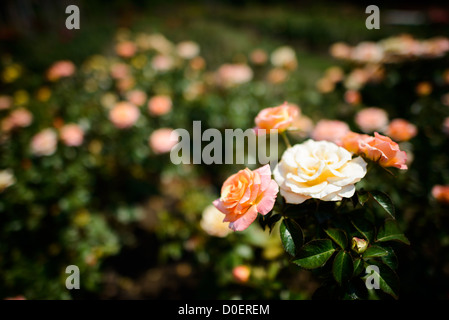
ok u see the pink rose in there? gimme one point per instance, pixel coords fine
(353, 97)
(124, 115)
(72, 135)
(372, 119)
(5, 102)
(161, 140)
(120, 71)
(234, 74)
(367, 52)
(21, 117)
(441, 193)
(258, 56)
(245, 194)
(44, 143)
(159, 105)
(136, 97)
(162, 63)
(60, 69)
(330, 130)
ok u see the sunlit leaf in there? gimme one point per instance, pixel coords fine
(315, 254)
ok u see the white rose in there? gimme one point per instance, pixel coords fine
(320, 170)
(212, 222)
(6, 179)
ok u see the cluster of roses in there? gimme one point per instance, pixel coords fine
(392, 49)
(321, 170)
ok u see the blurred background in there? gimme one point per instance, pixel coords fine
(85, 173)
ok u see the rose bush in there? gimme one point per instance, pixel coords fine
(315, 172)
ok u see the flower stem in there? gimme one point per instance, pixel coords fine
(284, 136)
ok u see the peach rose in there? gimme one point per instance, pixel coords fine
(60, 69)
(367, 52)
(72, 135)
(379, 148)
(197, 63)
(372, 119)
(356, 79)
(340, 50)
(277, 75)
(5, 102)
(441, 193)
(401, 130)
(21, 117)
(159, 105)
(353, 97)
(120, 71)
(234, 74)
(334, 74)
(330, 130)
(325, 85)
(241, 273)
(126, 49)
(44, 143)
(245, 194)
(258, 56)
(124, 115)
(161, 140)
(125, 84)
(136, 97)
(280, 117)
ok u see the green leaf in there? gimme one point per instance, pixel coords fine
(362, 196)
(391, 259)
(343, 267)
(375, 252)
(385, 202)
(358, 266)
(292, 237)
(315, 254)
(365, 228)
(387, 278)
(390, 232)
(339, 237)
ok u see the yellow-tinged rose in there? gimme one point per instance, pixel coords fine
(212, 222)
(320, 170)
